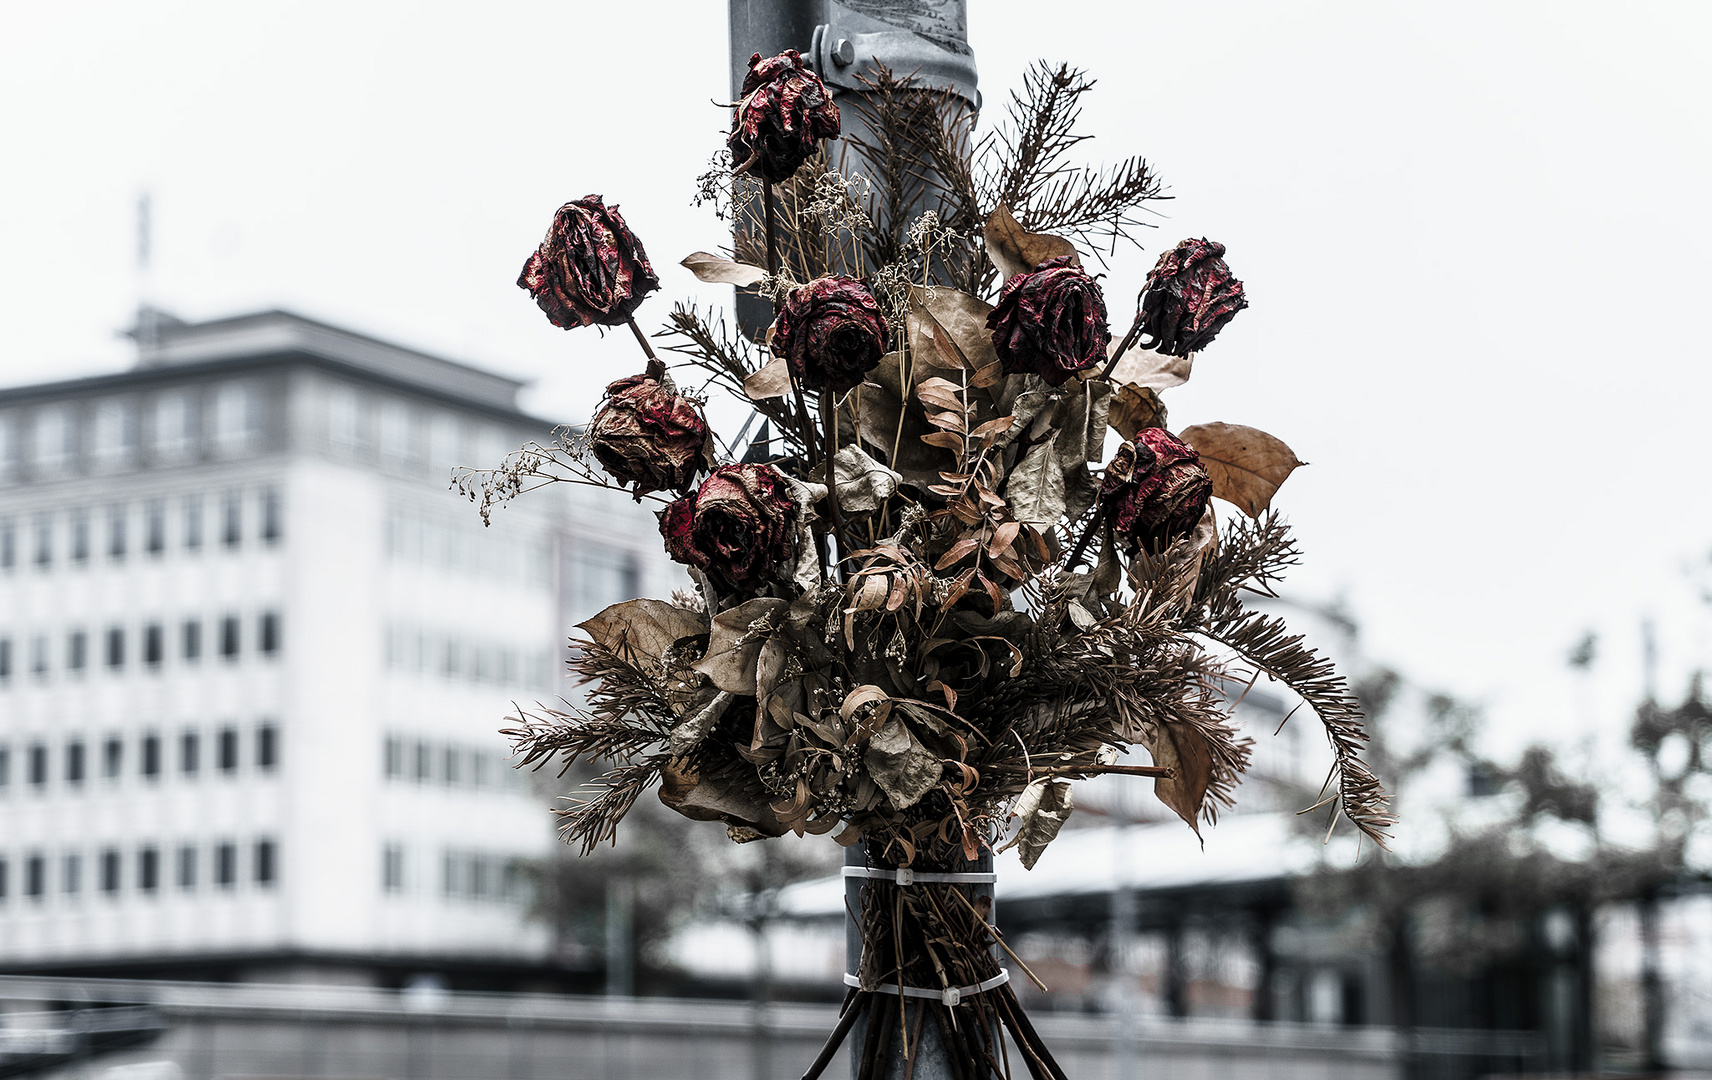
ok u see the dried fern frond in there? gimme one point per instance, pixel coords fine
(589, 822)
(727, 359)
(1266, 643)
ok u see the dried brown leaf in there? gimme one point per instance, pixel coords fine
(771, 381)
(1135, 408)
(1246, 464)
(643, 629)
(720, 270)
(1015, 250)
(1144, 367)
(735, 641)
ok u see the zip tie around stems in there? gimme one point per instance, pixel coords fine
(906, 876)
(951, 995)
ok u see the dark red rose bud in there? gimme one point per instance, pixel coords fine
(1155, 489)
(831, 332)
(1050, 321)
(1190, 296)
(590, 268)
(648, 434)
(783, 111)
(740, 524)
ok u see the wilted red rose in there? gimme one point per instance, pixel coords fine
(783, 111)
(1190, 296)
(1050, 321)
(648, 434)
(831, 332)
(1155, 489)
(741, 524)
(590, 268)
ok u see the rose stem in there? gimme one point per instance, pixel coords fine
(855, 1003)
(1123, 346)
(1082, 541)
(830, 417)
(771, 216)
(655, 368)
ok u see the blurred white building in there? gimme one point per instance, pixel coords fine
(254, 654)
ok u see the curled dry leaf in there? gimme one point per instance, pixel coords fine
(948, 329)
(903, 768)
(863, 483)
(1036, 488)
(643, 629)
(772, 380)
(1158, 371)
(1042, 809)
(699, 719)
(735, 641)
(1246, 465)
(1182, 749)
(1134, 408)
(720, 270)
(1015, 250)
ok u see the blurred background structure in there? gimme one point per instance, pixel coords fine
(253, 653)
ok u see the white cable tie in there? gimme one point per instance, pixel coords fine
(951, 995)
(906, 876)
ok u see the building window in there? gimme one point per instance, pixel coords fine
(452, 759)
(112, 435)
(77, 650)
(172, 426)
(192, 639)
(5, 768)
(39, 766)
(80, 536)
(74, 762)
(272, 525)
(392, 868)
(151, 757)
(112, 757)
(226, 750)
(115, 647)
(394, 756)
(267, 748)
(110, 871)
(35, 876)
(189, 753)
(424, 762)
(193, 523)
(266, 857)
(5, 873)
(44, 542)
(229, 637)
(152, 645)
(235, 418)
(148, 869)
(267, 633)
(226, 865)
(232, 519)
(71, 874)
(187, 867)
(5, 659)
(449, 874)
(116, 532)
(8, 545)
(39, 656)
(154, 527)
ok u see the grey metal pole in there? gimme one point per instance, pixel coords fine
(843, 42)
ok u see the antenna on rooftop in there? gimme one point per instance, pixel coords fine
(148, 318)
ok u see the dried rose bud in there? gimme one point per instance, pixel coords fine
(590, 268)
(783, 111)
(741, 523)
(1050, 321)
(648, 434)
(1155, 489)
(1190, 296)
(831, 332)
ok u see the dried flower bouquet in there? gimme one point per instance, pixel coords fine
(922, 608)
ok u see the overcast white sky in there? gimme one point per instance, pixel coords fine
(1475, 236)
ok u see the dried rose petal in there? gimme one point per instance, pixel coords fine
(646, 433)
(1050, 321)
(590, 268)
(740, 524)
(1190, 296)
(783, 111)
(831, 332)
(1155, 490)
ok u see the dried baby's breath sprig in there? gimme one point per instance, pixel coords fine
(567, 460)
